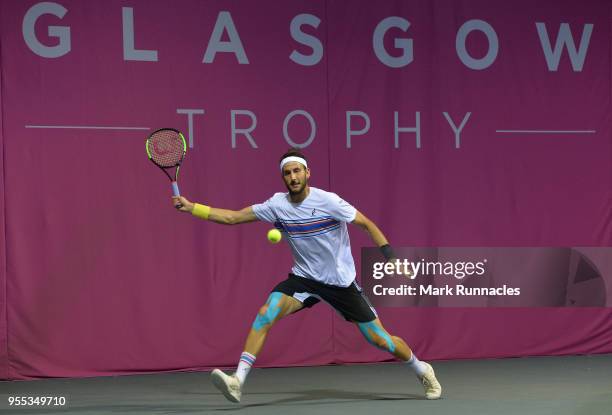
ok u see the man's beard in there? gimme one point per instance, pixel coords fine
(300, 190)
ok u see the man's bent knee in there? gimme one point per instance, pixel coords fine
(377, 336)
(271, 311)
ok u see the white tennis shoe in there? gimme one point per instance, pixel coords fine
(228, 385)
(433, 389)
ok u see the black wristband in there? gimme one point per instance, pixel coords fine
(387, 252)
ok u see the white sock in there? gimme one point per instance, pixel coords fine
(416, 365)
(247, 360)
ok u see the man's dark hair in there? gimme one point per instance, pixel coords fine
(293, 152)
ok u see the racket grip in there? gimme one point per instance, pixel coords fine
(175, 189)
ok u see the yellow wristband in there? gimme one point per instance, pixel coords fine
(200, 211)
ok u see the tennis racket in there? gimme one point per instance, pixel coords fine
(166, 148)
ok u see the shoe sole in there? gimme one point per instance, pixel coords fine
(217, 380)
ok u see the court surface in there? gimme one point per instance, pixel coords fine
(580, 385)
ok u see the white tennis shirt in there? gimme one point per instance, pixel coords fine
(316, 232)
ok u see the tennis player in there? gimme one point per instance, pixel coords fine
(314, 224)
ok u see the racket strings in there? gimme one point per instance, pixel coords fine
(166, 148)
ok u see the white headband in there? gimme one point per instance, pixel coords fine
(292, 158)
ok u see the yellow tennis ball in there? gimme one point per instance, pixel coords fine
(274, 236)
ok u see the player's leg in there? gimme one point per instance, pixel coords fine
(375, 334)
(276, 307)
(354, 306)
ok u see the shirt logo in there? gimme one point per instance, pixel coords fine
(313, 212)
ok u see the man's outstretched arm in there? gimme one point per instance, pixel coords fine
(370, 227)
(223, 216)
(376, 234)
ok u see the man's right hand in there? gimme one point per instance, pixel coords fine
(185, 205)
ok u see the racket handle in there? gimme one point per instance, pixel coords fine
(175, 189)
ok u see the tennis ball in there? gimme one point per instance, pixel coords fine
(274, 236)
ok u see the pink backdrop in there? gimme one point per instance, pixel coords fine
(100, 275)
